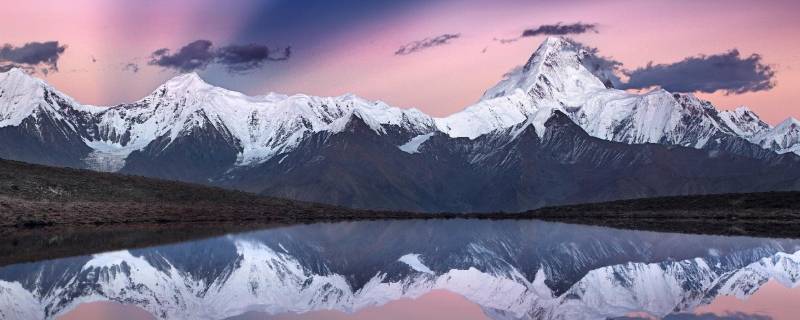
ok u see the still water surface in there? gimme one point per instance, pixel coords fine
(453, 269)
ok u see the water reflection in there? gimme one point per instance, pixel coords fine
(362, 270)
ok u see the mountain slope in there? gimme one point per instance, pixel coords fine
(783, 138)
(507, 170)
(36, 122)
(35, 196)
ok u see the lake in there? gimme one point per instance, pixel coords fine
(419, 269)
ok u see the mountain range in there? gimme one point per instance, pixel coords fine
(553, 131)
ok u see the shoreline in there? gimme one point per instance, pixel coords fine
(770, 215)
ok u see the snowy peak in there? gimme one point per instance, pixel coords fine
(187, 82)
(554, 78)
(790, 124)
(744, 122)
(784, 138)
(15, 75)
(550, 45)
(17, 90)
(563, 75)
(18, 83)
(23, 96)
(356, 118)
(554, 70)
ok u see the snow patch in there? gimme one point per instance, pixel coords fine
(412, 146)
(413, 261)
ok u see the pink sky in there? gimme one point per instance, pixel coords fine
(360, 60)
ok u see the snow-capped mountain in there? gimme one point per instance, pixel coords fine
(39, 124)
(559, 76)
(258, 127)
(350, 151)
(744, 122)
(512, 270)
(783, 138)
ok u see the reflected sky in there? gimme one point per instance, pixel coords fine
(455, 269)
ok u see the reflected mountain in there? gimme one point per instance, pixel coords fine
(511, 269)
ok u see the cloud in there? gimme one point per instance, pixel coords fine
(729, 72)
(560, 29)
(242, 58)
(132, 67)
(426, 43)
(199, 54)
(32, 56)
(507, 41)
(193, 56)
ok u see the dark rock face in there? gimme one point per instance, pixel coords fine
(198, 155)
(509, 170)
(356, 167)
(43, 140)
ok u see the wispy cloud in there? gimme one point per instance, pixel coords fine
(132, 67)
(426, 43)
(558, 29)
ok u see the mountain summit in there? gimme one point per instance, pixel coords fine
(560, 76)
(502, 153)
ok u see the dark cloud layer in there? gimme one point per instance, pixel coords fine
(200, 54)
(560, 29)
(193, 56)
(241, 58)
(32, 55)
(729, 72)
(426, 43)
